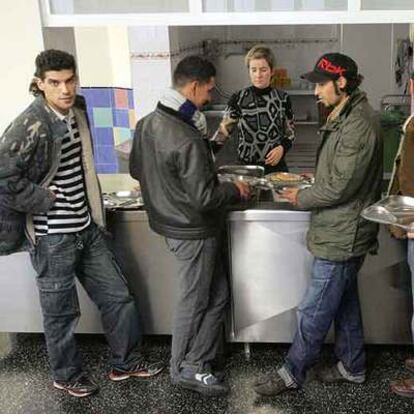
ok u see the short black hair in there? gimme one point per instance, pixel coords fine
(51, 59)
(193, 68)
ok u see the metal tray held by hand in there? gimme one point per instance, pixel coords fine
(242, 170)
(395, 210)
(123, 199)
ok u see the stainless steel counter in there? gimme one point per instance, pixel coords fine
(269, 270)
(270, 266)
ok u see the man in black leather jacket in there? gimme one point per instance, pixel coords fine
(185, 204)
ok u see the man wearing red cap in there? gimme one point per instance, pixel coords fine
(347, 179)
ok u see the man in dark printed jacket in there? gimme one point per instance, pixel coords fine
(50, 202)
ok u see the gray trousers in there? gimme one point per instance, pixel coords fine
(200, 306)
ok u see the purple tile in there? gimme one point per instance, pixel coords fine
(89, 113)
(130, 99)
(105, 154)
(102, 97)
(103, 136)
(121, 118)
(106, 168)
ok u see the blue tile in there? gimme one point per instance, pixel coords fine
(88, 98)
(102, 97)
(105, 154)
(130, 99)
(103, 136)
(121, 118)
(106, 168)
(89, 113)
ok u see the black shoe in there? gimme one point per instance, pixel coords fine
(141, 369)
(332, 375)
(204, 383)
(270, 386)
(80, 387)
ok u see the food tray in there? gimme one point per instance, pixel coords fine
(284, 179)
(123, 200)
(256, 182)
(242, 170)
(395, 210)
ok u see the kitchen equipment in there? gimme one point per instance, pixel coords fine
(123, 200)
(280, 180)
(242, 170)
(396, 210)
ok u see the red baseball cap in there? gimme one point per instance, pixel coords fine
(332, 66)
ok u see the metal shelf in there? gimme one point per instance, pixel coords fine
(306, 123)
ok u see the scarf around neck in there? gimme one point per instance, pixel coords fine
(174, 100)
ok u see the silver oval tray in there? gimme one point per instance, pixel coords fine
(395, 210)
(243, 170)
(122, 200)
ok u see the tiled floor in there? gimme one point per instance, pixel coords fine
(25, 386)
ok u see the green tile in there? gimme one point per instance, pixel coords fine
(121, 135)
(102, 117)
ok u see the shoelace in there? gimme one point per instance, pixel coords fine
(141, 365)
(81, 381)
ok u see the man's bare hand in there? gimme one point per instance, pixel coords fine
(308, 175)
(244, 190)
(290, 194)
(274, 156)
(410, 232)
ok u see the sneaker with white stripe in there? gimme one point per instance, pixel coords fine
(204, 383)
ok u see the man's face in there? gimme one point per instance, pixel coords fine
(59, 88)
(260, 73)
(327, 94)
(202, 92)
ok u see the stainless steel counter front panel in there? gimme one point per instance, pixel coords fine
(269, 271)
(149, 266)
(270, 266)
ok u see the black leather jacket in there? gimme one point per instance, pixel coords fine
(174, 166)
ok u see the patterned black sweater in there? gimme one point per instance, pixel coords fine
(264, 120)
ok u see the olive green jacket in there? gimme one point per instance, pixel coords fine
(348, 178)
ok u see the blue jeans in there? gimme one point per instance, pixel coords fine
(58, 259)
(410, 258)
(332, 296)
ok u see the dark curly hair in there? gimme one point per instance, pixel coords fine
(50, 59)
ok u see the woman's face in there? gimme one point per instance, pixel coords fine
(260, 73)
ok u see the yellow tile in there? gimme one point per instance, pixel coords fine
(132, 118)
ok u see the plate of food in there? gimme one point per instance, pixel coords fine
(287, 178)
(284, 177)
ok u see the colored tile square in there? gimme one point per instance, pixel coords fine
(105, 154)
(89, 114)
(106, 168)
(121, 98)
(87, 94)
(103, 136)
(102, 117)
(130, 99)
(121, 118)
(102, 97)
(121, 135)
(132, 118)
